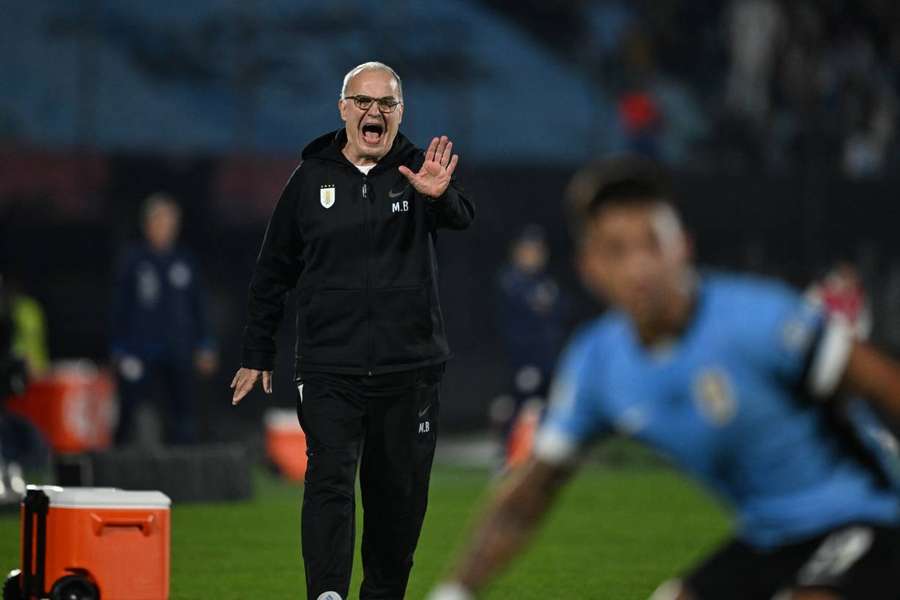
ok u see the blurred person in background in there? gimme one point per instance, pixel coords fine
(29, 328)
(754, 29)
(868, 140)
(13, 369)
(641, 119)
(357, 226)
(21, 444)
(160, 337)
(530, 316)
(733, 378)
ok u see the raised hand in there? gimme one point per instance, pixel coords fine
(434, 176)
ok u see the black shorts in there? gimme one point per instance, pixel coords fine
(855, 561)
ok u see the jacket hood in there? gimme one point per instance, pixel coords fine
(329, 146)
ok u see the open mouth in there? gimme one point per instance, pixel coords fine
(372, 132)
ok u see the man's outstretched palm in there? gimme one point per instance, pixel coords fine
(434, 176)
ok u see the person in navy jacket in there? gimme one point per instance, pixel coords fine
(530, 314)
(160, 336)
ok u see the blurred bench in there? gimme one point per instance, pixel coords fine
(207, 473)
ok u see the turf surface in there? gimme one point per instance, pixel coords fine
(614, 534)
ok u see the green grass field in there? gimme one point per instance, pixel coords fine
(614, 534)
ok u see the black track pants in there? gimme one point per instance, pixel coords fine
(390, 421)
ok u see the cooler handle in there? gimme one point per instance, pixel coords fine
(34, 550)
(144, 523)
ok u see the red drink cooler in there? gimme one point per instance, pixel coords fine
(74, 407)
(94, 543)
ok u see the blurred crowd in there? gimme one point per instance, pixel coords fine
(737, 85)
(749, 84)
(803, 73)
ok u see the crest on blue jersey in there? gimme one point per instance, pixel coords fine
(714, 396)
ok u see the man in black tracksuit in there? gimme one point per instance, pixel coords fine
(356, 226)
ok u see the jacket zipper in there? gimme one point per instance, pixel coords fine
(365, 197)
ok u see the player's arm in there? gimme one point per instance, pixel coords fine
(820, 352)
(839, 364)
(874, 376)
(517, 507)
(513, 514)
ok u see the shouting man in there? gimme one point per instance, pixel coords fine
(356, 226)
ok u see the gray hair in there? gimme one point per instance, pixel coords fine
(371, 66)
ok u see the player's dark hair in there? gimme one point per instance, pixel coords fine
(617, 181)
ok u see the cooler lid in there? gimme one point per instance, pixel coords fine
(282, 419)
(102, 497)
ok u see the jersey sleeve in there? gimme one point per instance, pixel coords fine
(802, 343)
(574, 417)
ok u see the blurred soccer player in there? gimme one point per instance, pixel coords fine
(733, 378)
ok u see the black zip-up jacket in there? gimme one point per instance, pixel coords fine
(363, 250)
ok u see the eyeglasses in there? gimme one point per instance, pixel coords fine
(385, 105)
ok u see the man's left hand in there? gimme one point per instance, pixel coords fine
(434, 176)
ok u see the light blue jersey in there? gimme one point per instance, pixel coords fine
(732, 403)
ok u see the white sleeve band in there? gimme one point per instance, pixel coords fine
(450, 591)
(554, 447)
(831, 358)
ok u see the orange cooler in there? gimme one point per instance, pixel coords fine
(74, 407)
(95, 543)
(286, 443)
(521, 438)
